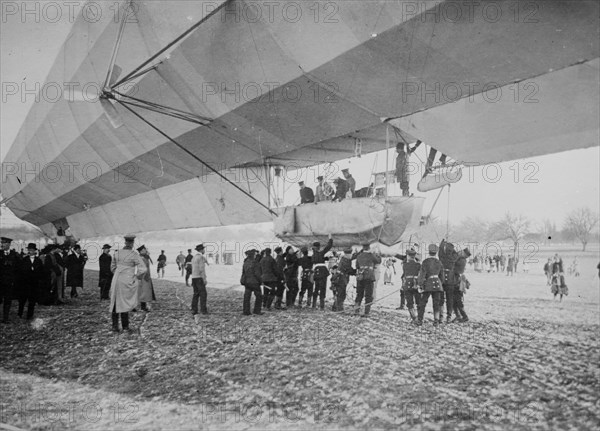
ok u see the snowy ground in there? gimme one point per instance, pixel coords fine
(524, 361)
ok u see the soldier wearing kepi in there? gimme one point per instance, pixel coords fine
(251, 278)
(459, 269)
(411, 269)
(430, 284)
(448, 256)
(9, 263)
(305, 263)
(365, 278)
(320, 272)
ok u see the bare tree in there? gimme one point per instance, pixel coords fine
(580, 223)
(513, 227)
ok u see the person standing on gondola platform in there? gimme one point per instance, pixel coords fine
(410, 276)
(430, 284)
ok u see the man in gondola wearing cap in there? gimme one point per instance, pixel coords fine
(430, 284)
(105, 276)
(306, 194)
(31, 279)
(10, 264)
(402, 165)
(351, 183)
(199, 263)
(366, 261)
(320, 272)
(410, 276)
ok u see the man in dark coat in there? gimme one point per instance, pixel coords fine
(290, 273)
(306, 194)
(251, 279)
(448, 256)
(341, 189)
(320, 272)
(430, 284)
(365, 278)
(280, 260)
(9, 265)
(459, 269)
(30, 281)
(345, 270)
(161, 262)
(271, 277)
(350, 180)
(74, 264)
(410, 275)
(105, 275)
(306, 283)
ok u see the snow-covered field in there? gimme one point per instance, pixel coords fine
(523, 361)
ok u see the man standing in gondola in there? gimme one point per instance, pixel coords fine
(306, 194)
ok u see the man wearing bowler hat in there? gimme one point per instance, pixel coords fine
(9, 264)
(31, 278)
(105, 275)
(199, 263)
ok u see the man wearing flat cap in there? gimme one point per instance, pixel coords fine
(9, 264)
(430, 284)
(105, 276)
(30, 281)
(199, 263)
(128, 268)
(306, 194)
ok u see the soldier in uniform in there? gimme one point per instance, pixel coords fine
(430, 284)
(345, 270)
(251, 278)
(306, 285)
(459, 270)
(320, 272)
(365, 278)
(10, 264)
(291, 275)
(280, 260)
(411, 269)
(271, 277)
(105, 275)
(448, 256)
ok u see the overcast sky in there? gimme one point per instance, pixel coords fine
(549, 187)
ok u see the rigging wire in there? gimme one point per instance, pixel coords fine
(196, 158)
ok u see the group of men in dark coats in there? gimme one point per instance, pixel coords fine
(441, 278)
(280, 274)
(32, 279)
